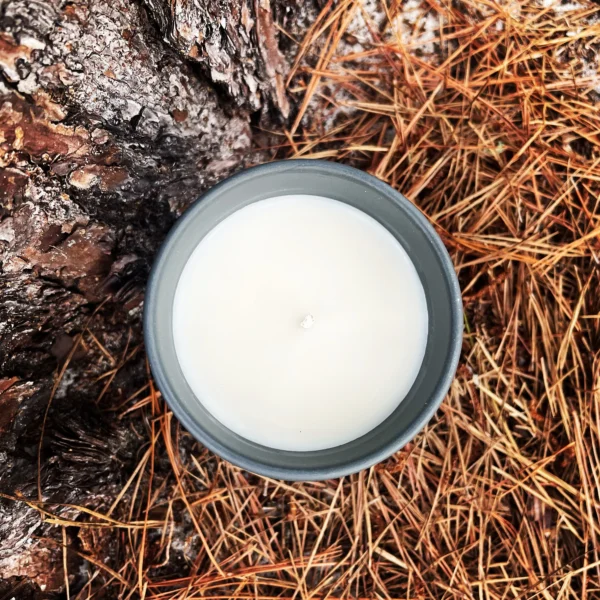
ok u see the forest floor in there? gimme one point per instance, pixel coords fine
(486, 116)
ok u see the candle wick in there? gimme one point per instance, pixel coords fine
(307, 322)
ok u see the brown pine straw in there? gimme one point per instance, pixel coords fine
(495, 137)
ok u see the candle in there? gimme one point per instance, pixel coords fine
(299, 322)
(303, 320)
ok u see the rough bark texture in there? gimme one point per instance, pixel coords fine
(114, 116)
(235, 43)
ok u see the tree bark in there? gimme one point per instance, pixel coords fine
(114, 117)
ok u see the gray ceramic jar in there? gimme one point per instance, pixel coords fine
(409, 227)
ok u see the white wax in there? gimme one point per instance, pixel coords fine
(300, 322)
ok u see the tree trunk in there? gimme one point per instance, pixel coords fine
(114, 117)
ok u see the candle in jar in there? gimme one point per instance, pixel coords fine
(300, 322)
